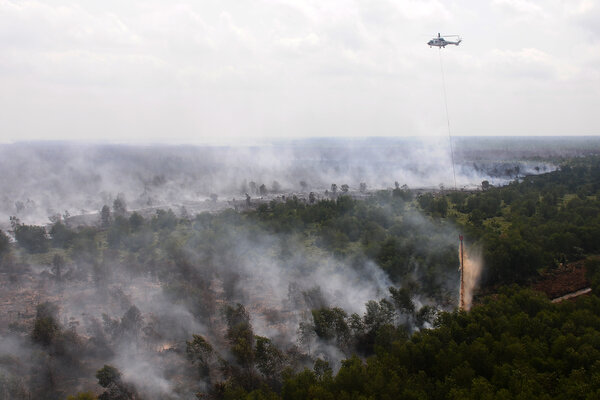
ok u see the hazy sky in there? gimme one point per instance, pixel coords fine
(198, 71)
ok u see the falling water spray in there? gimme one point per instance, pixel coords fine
(462, 281)
(470, 271)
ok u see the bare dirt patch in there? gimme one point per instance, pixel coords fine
(563, 280)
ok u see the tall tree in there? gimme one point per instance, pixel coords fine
(31, 237)
(4, 244)
(111, 379)
(105, 216)
(58, 264)
(240, 335)
(200, 353)
(119, 205)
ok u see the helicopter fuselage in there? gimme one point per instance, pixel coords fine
(441, 42)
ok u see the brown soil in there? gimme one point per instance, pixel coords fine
(563, 280)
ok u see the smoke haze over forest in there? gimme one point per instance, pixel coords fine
(47, 178)
(143, 262)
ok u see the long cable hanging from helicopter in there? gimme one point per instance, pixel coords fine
(440, 43)
(447, 118)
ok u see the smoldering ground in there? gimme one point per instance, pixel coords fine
(136, 310)
(127, 322)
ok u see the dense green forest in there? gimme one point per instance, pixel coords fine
(409, 342)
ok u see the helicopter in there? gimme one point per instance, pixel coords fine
(439, 41)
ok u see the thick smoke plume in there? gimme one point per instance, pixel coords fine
(41, 180)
